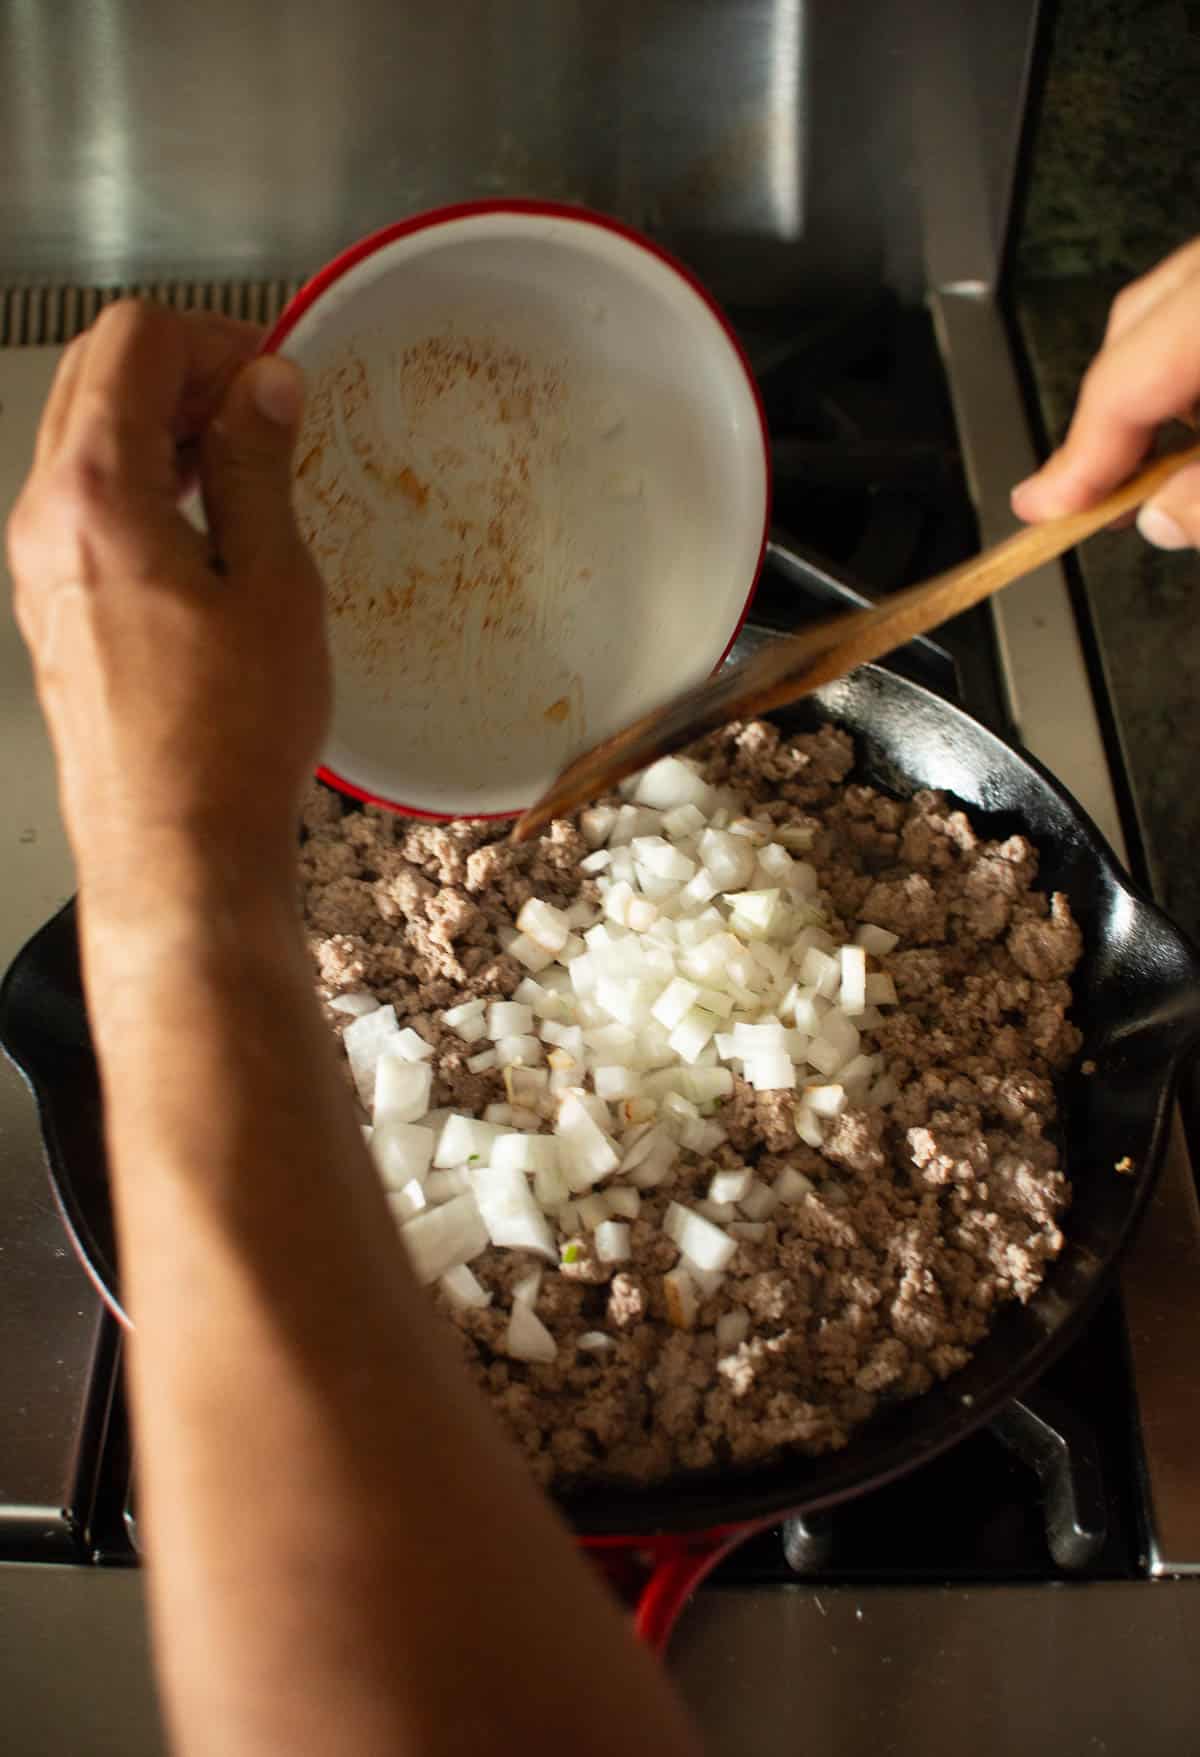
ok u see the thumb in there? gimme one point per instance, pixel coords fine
(1172, 519)
(246, 462)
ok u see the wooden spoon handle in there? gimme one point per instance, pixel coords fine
(794, 665)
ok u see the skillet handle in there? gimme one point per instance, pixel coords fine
(677, 1566)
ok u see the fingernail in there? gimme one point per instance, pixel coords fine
(1159, 528)
(278, 389)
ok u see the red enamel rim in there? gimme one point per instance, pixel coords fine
(313, 289)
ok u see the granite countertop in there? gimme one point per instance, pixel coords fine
(1145, 606)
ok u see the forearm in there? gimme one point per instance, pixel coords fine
(342, 1541)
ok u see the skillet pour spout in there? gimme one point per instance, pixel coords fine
(1136, 1000)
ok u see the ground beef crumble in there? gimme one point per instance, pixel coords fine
(924, 1215)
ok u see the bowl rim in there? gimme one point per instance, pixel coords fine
(428, 219)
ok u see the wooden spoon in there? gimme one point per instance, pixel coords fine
(795, 665)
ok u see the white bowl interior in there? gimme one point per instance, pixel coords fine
(532, 473)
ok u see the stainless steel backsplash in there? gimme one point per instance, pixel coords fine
(783, 147)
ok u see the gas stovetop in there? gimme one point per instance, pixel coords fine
(1087, 1486)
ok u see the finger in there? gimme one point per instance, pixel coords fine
(1151, 374)
(1172, 519)
(246, 463)
(149, 377)
(1135, 301)
(58, 403)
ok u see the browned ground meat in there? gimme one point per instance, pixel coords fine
(924, 1216)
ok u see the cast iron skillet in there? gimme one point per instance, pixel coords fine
(1137, 1001)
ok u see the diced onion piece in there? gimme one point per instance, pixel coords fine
(441, 1186)
(730, 1186)
(365, 1040)
(773, 1071)
(479, 1064)
(500, 1114)
(615, 1082)
(691, 1034)
(732, 1327)
(758, 1201)
(858, 1073)
(355, 1004)
(641, 914)
(720, 1213)
(706, 1085)
(545, 925)
(612, 1241)
(463, 1288)
(880, 990)
(411, 1045)
(728, 860)
(596, 823)
(755, 913)
(808, 1127)
(675, 1002)
(700, 1241)
(708, 1281)
(440, 1238)
(402, 1088)
(531, 955)
(808, 1011)
(550, 1186)
(663, 861)
(683, 820)
(593, 1211)
(518, 1051)
(791, 1185)
(406, 1201)
(752, 1231)
(626, 1204)
(508, 1019)
(527, 1338)
(679, 1293)
(525, 1153)
(884, 1091)
(471, 1030)
(852, 995)
(825, 1100)
(819, 972)
(512, 1217)
(456, 1016)
(671, 782)
(585, 1152)
(402, 1151)
(591, 864)
(464, 1140)
(595, 1342)
(528, 1287)
(701, 1137)
(876, 940)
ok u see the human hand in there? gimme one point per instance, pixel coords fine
(1147, 372)
(186, 698)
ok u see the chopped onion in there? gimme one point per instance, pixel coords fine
(355, 1004)
(528, 1287)
(679, 1292)
(462, 1288)
(674, 1003)
(876, 940)
(527, 1338)
(595, 1342)
(472, 1009)
(791, 1185)
(402, 1088)
(732, 1327)
(511, 1215)
(402, 1151)
(853, 992)
(545, 925)
(411, 1045)
(365, 1039)
(441, 1238)
(758, 1201)
(700, 1241)
(464, 1141)
(585, 1152)
(730, 1186)
(612, 1241)
(407, 1201)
